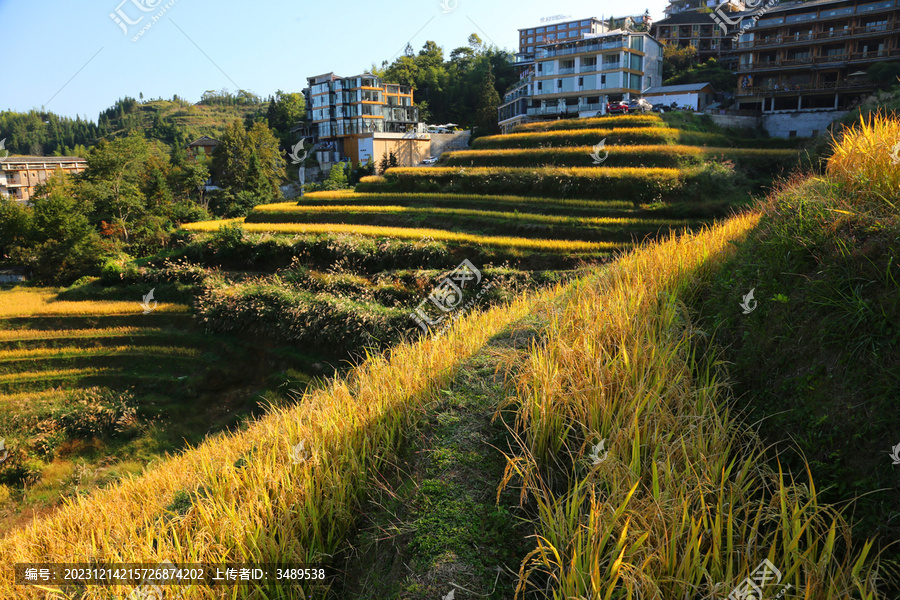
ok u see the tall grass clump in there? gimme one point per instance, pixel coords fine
(866, 159)
(643, 484)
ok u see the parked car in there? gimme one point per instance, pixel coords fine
(660, 107)
(430, 160)
(639, 105)
(613, 108)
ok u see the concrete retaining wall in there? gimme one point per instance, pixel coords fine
(445, 142)
(743, 121)
(804, 124)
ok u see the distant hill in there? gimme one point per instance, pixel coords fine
(175, 121)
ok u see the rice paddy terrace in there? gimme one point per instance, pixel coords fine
(585, 188)
(90, 390)
(525, 209)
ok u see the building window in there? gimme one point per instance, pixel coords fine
(559, 84)
(580, 81)
(530, 31)
(540, 38)
(792, 134)
(585, 23)
(540, 85)
(551, 28)
(540, 30)
(531, 40)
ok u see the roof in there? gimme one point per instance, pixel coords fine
(676, 89)
(688, 17)
(205, 141)
(40, 159)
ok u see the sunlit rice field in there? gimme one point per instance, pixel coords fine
(42, 303)
(413, 198)
(287, 208)
(411, 233)
(24, 335)
(36, 353)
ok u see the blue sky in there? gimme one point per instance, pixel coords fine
(71, 57)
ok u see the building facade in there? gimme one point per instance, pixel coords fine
(19, 175)
(804, 56)
(344, 112)
(577, 78)
(697, 29)
(203, 146)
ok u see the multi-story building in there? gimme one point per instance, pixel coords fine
(679, 6)
(577, 78)
(361, 117)
(697, 29)
(531, 38)
(19, 175)
(814, 55)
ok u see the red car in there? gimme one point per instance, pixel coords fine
(616, 107)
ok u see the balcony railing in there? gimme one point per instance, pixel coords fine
(543, 53)
(822, 35)
(803, 87)
(818, 60)
(588, 68)
(569, 71)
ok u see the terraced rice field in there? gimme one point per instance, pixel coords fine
(84, 381)
(545, 189)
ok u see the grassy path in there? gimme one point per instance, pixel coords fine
(435, 525)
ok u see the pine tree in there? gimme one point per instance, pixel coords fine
(489, 102)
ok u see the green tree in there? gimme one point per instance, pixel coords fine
(231, 163)
(285, 111)
(486, 115)
(56, 240)
(113, 180)
(677, 59)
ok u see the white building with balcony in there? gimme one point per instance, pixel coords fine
(577, 78)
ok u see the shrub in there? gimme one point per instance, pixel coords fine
(97, 412)
(279, 311)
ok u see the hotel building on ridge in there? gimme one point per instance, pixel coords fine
(577, 78)
(361, 118)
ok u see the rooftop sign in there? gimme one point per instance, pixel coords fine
(555, 18)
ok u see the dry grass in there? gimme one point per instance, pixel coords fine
(49, 353)
(249, 501)
(37, 302)
(23, 335)
(580, 172)
(683, 504)
(866, 159)
(412, 233)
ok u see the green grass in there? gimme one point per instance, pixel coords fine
(816, 362)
